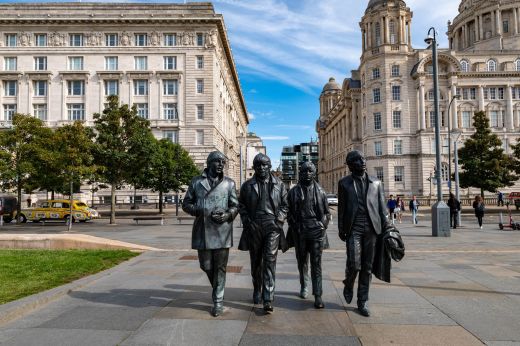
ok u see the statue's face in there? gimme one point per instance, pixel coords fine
(216, 167)
(358, 165)
(307, 174)
(262, 169)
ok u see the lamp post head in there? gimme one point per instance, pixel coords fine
(429, 40)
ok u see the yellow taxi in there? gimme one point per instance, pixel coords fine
(57, 209)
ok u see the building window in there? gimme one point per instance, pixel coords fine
(170, 62)
(75, 63)
(491, 65)
(111, 87)
(141, 40)
(432, 119)
(376, 95)
(505, 26)
(396, 119)
(517, 65)
(111, 63)
(444, 172)
(40, 40)
(496, 119)
(40, 88)
(170, 87)
(142, 110)
(171, 135)
(76, 87)
(396, 92)
(399, 174)
(40, 111)
(378, 149)
(377, 30)
(464, 65)
(76, 111)
(200, 39)
(76, 40)
(376, 74)
(10, 88)
(170, 111)
(170, 40)
(40, 63)
(377, 121)
(10, 40)
(200, 112)
(141, 87)
(395, 71)
(466, 119)
(391, 27)
(380, 173)
(516, 93)
(199, 137)
(9, 111)
(10, 63)
(200, 62)
(200, 86)
(141, 63)
(111, 40)
(398, 147)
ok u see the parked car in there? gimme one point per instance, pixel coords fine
(332, 199)
(57, 209)
(514, 198)
(8, 207)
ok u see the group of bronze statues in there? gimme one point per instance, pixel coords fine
(264, 205)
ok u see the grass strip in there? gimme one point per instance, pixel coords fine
(26, 272)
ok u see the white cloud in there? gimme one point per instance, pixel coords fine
(274, 138)
(251, 116)
(294, 127)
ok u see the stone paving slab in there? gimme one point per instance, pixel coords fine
(66, 337)
(298, 340)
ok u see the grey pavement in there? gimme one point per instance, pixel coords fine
(462, 290)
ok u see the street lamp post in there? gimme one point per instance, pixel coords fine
(457, 188)
(453, 98)
(440, 211)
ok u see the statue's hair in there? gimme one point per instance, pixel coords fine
(352, 155)
(214, 156)
(308, 164)
(261, 158)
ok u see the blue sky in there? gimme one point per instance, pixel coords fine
(286, 50)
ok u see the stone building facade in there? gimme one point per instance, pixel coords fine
(59, 61)
(386, 107)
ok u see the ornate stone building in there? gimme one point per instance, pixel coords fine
(59, 61)
(386, 107)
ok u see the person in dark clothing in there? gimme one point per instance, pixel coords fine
(212, 199)
(500, 199)
(263, 210)
(454, 205)
(308, 219)
(414, 207)
(478, 205)
(362, 216)
(391, 205)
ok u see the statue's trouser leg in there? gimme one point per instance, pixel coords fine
(206, 263)
(302, 258)
(315, 248)
(255, 255)
(368, 244)
(220, 260)
(270, 252)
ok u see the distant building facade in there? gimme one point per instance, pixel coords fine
(59, 62)
(385, 108)
(254, 146)
(293, 156)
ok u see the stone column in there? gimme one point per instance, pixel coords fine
(493, 23)
(387, 29)
(515, 21)
(499, 22)
(422, 114)
(63, 99)
(480, 28)
(453, 110)
(383, 31)
(409, 33)
(510, 125)
(369, 30)
(363, 34)
(481, 98)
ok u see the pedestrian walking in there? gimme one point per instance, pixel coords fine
(500, 199)
(391, 205)
(399, 209)
(414, 207)
(454, 205)
(478, 205)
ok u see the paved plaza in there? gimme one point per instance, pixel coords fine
(462, 290)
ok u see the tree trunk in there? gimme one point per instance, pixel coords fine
(112, 204)
(52, 194)
(160, 202)
(70, 206)
(19, 204)
(482, 193)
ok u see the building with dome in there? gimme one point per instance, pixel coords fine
(385, 108)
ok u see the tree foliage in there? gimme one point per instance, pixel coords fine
(516, 156)
(484, 163)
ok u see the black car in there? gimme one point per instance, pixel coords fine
(8, 207)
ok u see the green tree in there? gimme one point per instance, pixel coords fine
(484, 163)
(121, 143)
(516, 156)
(171, 168)
(22, 147)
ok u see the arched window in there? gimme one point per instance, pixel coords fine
(464, 65)
(444, 172)
(517, 64)
(491, 65)
(391, 27)
(378, 33)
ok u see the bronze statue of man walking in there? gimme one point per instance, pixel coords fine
(362, 216)
(212, 199)
(308, 220)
